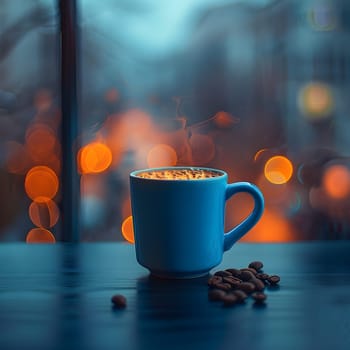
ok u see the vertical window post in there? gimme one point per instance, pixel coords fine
(70, 179)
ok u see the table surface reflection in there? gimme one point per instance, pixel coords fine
(58, 297)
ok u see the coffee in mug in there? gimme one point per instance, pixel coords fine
(179, 174)
(178, 217)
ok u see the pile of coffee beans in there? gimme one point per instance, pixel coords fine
(233, 286)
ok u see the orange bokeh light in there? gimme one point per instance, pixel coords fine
(336, 181)
(95, 157)
(44, 213)
(41, 141)
(161, 155)
(224, 120)
(41, 182)
(272, 227)
(128, 230)
(278, 170)
(259, 153)
(40, 235)
(202, 148)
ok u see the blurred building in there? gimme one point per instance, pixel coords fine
(257, 88)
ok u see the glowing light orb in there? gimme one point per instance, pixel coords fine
(128, 230)
(45, 213)
(161, 155)
(336, 181)
(40, 235)
(272, 227)
(225, 120)
(278, 170)
(316, 101)
(41, 182)
(95, 157)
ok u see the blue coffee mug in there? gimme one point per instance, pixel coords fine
(179, 224)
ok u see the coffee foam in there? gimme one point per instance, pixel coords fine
(179, 174)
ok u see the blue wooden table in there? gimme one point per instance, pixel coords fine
(58, 297)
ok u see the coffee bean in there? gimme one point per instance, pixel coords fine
(119, 301)
(241, 296)
(223, 286)
(250, 269)
(274, 279)
(230, 299)
(234, 281)
(259, 284)
(234, 272)
(246, 275)
(262, 276)
(223, 273)
(216, 294)
(259, 297)
(256, 265)
(214, 280)
(247, 287)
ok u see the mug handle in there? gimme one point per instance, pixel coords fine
(241, 229)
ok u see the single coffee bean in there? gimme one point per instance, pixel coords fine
(234, 272)
(262, 276)
(259, 284)
(259, 297)
(256, 265)
(247, 287)
(230, 299)
(234, 281)
(223, 286)
(223, 273)
(246, 275)
(119, 301)
(241, 296)
(216, 294)
(214, 280)
(250, 269)
(274, 279)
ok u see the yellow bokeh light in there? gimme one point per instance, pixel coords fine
(336, 181)
(161, 155)
(278, 170)
(95, 157)
(41, 182)
(40, 235)
(128, 229)
(316, 101)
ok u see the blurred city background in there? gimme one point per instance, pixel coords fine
(258, 88)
